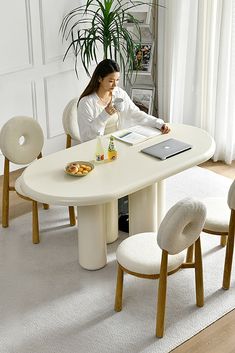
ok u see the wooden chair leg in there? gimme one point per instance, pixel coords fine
(119, 290)
(35, 224)
(72, 217)
(68, 141)
(189, 256)
(223, 240)
(161, 301)
(229, 252)
(45, 205)
(199, 274)
(5, 195)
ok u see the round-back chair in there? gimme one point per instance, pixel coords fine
(151, 255)
(21, 142)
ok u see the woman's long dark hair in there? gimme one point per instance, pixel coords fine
(103, 69)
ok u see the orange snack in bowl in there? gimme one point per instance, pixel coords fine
(72, 169)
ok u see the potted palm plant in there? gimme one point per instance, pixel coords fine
(103, 23)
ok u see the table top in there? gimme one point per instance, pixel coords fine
(45, 180)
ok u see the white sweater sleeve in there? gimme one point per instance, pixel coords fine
(136, 116)
(90, 124)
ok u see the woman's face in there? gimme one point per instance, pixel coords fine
(139, 55)
(109, 82)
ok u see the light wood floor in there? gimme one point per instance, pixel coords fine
(218, 337)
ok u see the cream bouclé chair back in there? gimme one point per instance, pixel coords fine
(231, 196)
(151, 255)
(21, 139)
(181, 226)
(21, 142)
(70, 123)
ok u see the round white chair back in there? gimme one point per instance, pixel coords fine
(181, 226)
(231, 196)
(69, 120)
(21, 139)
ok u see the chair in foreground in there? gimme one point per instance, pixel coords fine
(70, 123)
(21, 141)
(140, 256)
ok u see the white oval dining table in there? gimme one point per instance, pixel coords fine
(133, 173)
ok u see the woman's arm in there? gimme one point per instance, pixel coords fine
(90, 124)
(134, 116)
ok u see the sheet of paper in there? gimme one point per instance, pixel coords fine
(136, 134)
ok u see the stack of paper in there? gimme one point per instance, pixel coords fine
(136, 134)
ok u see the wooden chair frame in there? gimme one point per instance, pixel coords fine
(68, 141)
(223, 236)
(229, 252)
(162, 287)
(68, 145)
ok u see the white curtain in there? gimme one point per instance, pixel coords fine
(197, 72)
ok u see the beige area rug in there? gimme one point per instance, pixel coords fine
(48, 304)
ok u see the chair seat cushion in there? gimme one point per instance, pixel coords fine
(18, 187)
(218, 214)
(141, 254)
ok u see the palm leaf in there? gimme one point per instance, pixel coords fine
(104, 22)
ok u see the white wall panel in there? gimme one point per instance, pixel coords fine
(15, 38)
(16, 98)
(59, 90)
(34, 80)
(53, 49)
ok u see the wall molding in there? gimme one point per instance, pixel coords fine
(45, 58)
(29, 65)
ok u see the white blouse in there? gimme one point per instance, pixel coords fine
(111, 124)
(92, 118)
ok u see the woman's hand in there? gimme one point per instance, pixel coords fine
(165, 129)
(110, 108)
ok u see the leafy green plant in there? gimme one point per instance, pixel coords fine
(102, 22)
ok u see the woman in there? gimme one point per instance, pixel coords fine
(97, 114)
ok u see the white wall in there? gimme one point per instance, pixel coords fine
(34, 80)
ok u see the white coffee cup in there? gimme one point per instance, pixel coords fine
(119, 104)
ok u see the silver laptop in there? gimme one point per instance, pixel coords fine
(167, 149)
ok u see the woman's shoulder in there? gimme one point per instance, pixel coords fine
(87, 100)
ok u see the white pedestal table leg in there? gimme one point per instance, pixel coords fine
(92, 250)
(146, 209)
(111, 219)
(161, 197)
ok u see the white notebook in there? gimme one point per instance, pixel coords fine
(167, 148)
(136, 134)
